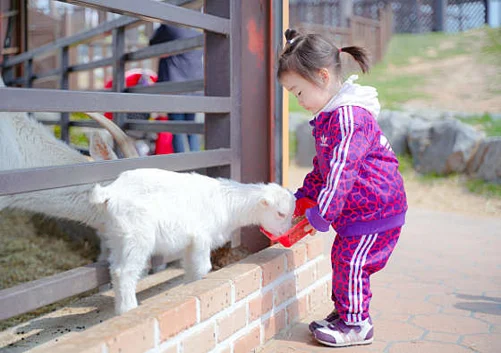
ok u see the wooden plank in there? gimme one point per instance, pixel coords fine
(174, 47)
(176, 127)
(118, 69)
(35, 294)
(169, 87)
(92, 65)
(64, 85)
(33, 179)
(49, 100)
(152, 10)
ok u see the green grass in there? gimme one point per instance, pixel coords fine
(394, 90)
(76, 138)
(493, 46)
(484, 188)
(486, 123)
(406, 48)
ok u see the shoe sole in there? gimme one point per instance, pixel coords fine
(362, 343)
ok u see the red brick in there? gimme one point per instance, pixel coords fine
(130, 337)
(317, 296)
(246, 278)
(200, 341)
(305, 278)
(260, 305)
(177, 318)
(297, 310)
(214, 295)
(274, 325)
(271, 261)
(231, 323)
(296, 256)
(314, 247)
(284, 291)
(248, 342)
(324, 267)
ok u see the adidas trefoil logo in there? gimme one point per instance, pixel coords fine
(323, 141)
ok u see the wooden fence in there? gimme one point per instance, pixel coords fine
(221, 103)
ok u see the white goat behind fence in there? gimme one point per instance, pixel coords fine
(153, 211)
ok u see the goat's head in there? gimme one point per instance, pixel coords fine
(276, 208)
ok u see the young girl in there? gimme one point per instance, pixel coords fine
(355, 179)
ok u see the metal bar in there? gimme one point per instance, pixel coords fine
(118, 69)
(35, 294)
(81, 37)
(171, 48)
(49, 100)
(78, 38)
(64, 85)
(169, 87)
(176, 127)
(28, 73)
(217, 83)
(277, 113)
(91, 65)
(51, 73)
(236, 90)
(151, 10)
(33, 179)
(53, 122)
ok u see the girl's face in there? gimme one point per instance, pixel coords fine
(309, 95)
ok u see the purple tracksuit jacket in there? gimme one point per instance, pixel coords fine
(355, 178)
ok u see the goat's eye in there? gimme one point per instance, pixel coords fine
(281, 215)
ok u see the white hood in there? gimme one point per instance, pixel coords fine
(355, 94)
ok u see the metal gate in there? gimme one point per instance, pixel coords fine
(221, 103)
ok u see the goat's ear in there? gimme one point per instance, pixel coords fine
(264, 202)
(99, 149)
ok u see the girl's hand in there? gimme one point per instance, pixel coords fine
(308, 228)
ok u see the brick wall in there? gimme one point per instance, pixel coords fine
(236, 309)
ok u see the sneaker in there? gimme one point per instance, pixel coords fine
(322, 323)
(340, 334)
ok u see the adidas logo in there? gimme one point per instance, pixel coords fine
(323, 141)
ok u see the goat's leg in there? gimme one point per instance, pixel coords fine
(196, 262)
(127, 262)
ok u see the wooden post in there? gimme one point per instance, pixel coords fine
(64, 84)
(217, 83)
(285, 108)
(118, 69)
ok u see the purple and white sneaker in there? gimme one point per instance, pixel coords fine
(341, 334)
(334, 315)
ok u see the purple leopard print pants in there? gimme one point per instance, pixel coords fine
(354, 259)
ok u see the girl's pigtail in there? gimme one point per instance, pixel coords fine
(359, 54)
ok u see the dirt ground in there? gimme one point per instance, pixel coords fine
(465, 83)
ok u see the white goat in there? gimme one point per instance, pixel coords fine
(25, 143)
(153, 211)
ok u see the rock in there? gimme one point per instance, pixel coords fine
(395, 126)
(442, 147)
(305, 145)
(486, 163)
